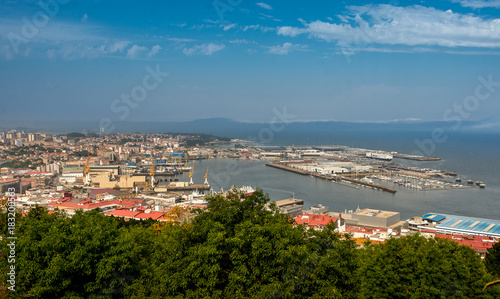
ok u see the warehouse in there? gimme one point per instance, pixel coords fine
(463, 225)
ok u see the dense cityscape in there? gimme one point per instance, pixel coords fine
(136, 176)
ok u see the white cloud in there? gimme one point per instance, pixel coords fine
(6, 52)
(51, 54)
(205, 49)
(409, 26)
(85, 17)
(135, 50)
(238, 41)
(286, 48)
(117, 47)
(258, 27)
(68, 40)
(154, 51)
(180, 40)
(264, 5)
(227, 27)
(212, 21)
(290, 31)
(265, 16)
(478, 3)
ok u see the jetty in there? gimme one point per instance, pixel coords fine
(337, 178)
(414, 157)
(288, 168)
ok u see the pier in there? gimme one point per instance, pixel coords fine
(193, 187)
(415, 158)
(374, 186)
(288, 168)
(330, 178)
(157, 174)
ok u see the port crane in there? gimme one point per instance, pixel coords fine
(152, 171)
(191, 175)
(206, 177)
(86, 171)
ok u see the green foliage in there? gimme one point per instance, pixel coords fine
(76, 135)
(125, 140)
(492, 260)
(83, 153)
(21, 164)
(414, 267)
(61, 257)
(92, 135)
(236, 248)
(200, 139)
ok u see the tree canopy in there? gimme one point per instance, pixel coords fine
(492, 260)
(239, 246)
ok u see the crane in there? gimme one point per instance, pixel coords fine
(86, 171)
(191, 175)
(206, 176)
(152, 171)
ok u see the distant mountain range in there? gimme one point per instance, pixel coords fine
(236, 129)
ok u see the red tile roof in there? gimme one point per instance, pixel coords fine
(123, 213)
(153, 215)
(85, 205)
(127, 202)
(8, 180)
(314, 219)
(475, 242)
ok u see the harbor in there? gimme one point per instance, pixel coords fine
(340, 179)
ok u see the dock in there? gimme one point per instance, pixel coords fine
(189, 187)
(374, 186)
(415, 158)
(330, 178)
(288, 168)
(157, 174)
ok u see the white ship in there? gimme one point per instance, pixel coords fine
(379, 156)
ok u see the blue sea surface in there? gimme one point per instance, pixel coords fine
(473, 156)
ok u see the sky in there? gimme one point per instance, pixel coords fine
(89, 61)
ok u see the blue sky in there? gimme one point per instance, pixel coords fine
(323, 60)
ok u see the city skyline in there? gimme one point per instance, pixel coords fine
(74, 61)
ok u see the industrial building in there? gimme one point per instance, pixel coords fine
(290, 206)
(371, 218)
(5, 184)
(460, 224)
(123, 181)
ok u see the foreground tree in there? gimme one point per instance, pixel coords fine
(239, 248)
(492, 260)
(414, 267)
(61, 257)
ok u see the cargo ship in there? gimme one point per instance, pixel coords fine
(379, 156)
